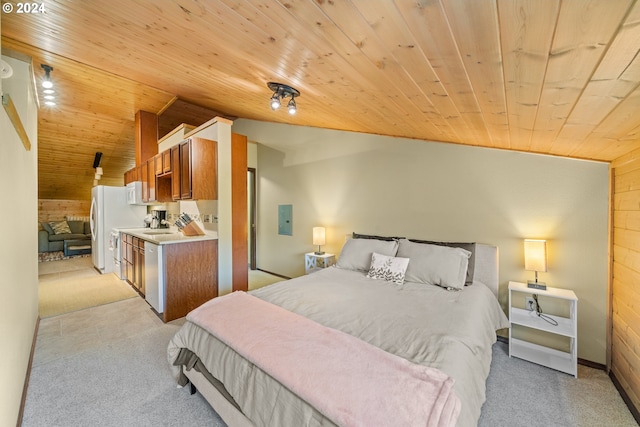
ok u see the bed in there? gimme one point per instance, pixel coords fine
(430, 305)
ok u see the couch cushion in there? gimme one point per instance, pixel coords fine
(67, 236)
(47, 227)
(76, 227)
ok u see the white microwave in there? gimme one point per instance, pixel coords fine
(134, 193)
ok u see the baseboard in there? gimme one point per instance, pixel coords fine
(634, 411)
(273, 274)
(28, 374)
(590, 364)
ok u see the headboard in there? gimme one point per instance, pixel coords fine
(486, 259)
(486, 268)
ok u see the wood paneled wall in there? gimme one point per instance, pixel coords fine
(625, 284)
(57, 210)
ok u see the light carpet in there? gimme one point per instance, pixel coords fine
(67, 295)
(258, 279)
(107, 366)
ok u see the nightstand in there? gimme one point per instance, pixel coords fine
(566, 326)
(313, 262)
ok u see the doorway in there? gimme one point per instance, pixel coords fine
(251, 216)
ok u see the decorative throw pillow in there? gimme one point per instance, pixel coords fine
(388, 268)
(60, 227)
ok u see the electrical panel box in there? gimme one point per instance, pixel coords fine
(285, 220)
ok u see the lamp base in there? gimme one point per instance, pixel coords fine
(319, 253)
(537, 285)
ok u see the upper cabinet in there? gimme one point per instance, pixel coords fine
(186, 171)
(146, 136)
(198, 170)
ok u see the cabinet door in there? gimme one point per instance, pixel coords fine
(166, 161)
(144, 177)
(151, 178)
(185, 170)
(175, 172)
(204, 169)
(137, 174)
(157, 159)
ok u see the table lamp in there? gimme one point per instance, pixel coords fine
(318, 238)
(535, 259)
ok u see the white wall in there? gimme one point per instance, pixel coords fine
(391, 186)
(19, 248)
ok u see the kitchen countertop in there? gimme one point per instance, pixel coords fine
(165, 236)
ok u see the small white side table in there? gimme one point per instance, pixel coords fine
(566, 326)
(313, 262)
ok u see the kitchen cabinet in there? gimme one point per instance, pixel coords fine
(129, 176)
(190, 276)
(151, 180)
(144, 177)
(197, 170)
(126, 256)
(174, 277)
(175, 172)
(133, 257)
(138, 265)
(185, 170)
(158, 166)
(166, 161)
(145, 136)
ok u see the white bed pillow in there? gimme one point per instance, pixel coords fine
(356, 253)
(391, 269)
(434, 264)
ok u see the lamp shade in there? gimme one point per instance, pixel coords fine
(318, 235)
(535, 255)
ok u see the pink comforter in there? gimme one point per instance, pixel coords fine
(351, 382)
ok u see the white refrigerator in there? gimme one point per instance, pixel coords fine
(109, 209)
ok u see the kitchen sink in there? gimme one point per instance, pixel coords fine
(152, 232)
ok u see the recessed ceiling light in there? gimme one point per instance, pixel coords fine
(49, 97)
(49, 103)
(49, 91)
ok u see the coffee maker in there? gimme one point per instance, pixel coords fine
(158, 219)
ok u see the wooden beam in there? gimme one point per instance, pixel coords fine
(10, 108)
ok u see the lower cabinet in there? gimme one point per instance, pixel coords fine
(133, 256)
(174, 278)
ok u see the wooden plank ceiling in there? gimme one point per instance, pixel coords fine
(558, 77)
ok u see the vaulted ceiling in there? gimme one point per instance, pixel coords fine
(558, 77)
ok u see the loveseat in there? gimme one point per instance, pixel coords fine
(53, 234)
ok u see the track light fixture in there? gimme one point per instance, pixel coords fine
(47, 83)
(281, 91)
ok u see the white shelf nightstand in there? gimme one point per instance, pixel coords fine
(567, 326)
(313, 262)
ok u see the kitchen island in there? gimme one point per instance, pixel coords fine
(173, 272)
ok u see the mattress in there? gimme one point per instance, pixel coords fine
(452, 331)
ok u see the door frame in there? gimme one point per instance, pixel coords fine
(252, 193)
